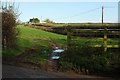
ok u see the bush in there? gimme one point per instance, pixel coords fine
(9, 30)
(64, 65)
(92, 60)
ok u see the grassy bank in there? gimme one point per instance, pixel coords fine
(38, 37)
(29, 37)
(35, 37)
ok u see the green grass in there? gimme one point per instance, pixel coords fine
(39, 56)
(92, 25)
(54, 24)
(39, 37)
(29, 37)
(94, 41)
(33, 37)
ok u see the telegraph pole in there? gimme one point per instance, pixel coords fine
(102, 13)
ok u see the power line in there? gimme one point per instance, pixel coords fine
(82, 13)
(110, 7)
(86, 12)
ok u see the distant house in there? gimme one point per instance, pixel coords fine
(42, 22)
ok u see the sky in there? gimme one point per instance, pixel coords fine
(62, 0)
(76, 12)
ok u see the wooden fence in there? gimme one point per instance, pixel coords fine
(70, 31)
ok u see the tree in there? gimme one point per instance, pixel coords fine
(34, 20)
(48, 21)
(9, 31)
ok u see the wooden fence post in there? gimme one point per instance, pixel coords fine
(105, 39)
(69, 37)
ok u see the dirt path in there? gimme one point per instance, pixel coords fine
(20, 72)
(21, 60)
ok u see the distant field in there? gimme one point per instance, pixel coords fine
(54, 24)
(61, 28)
(82, 25)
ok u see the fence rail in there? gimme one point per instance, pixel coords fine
(105, 32)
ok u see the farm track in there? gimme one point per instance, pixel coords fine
(10, 71)
(21, 60)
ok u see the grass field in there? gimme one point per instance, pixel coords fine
(54, 24)
(83, 25)
(93, 41)
(29, 37)
(39, 37)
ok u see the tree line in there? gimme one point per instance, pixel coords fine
(36, 20)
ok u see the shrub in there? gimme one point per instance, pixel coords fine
(64, 65)
(92, 60)
(9, 30)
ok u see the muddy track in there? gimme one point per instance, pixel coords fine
(20, 60)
